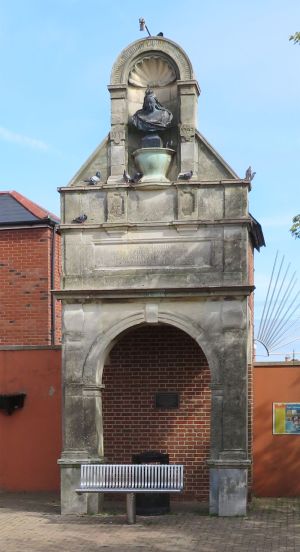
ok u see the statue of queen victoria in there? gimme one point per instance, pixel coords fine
(153, 116)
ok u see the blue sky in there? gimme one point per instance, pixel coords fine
(56, 59)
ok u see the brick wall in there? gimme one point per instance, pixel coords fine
(144, 361)
(25, 283)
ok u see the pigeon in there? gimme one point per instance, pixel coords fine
(136, 177)
(249, 175)
(80, 219)
(185, 176)
(132, 179)
(94, 179)
(160, 34)
(126, 177)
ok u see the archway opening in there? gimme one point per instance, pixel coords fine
(147, 367)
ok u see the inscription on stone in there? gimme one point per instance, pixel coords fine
(198, 254)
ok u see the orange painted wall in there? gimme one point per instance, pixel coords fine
(30, 438)
(276, 458)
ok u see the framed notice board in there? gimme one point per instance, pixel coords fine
(167, 399)
(286, 418)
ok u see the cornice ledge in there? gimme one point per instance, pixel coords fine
(113, 294)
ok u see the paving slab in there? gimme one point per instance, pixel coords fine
(32, 523)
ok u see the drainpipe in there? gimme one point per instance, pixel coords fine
(52, 270)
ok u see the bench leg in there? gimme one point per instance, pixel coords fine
(130, 502)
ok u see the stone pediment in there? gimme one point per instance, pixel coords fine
(161, 64)
(211, 166)
(97, 161)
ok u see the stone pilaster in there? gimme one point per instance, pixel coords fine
(229, 461)
(83, 444)
(119, 120)
(228, 488)
(188, 92)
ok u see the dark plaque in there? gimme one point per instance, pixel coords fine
(167, 399)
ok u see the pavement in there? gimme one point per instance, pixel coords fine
(32, 523)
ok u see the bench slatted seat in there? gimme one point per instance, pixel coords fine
(131, 479)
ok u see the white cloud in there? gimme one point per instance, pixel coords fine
(16, 138)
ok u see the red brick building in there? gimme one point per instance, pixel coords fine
(30, 330)
(29, 269)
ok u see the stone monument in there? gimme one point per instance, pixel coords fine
(163, 237)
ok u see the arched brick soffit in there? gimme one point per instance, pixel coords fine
(95, 359)
(135, 50)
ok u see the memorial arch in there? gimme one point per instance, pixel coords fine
(165, 245)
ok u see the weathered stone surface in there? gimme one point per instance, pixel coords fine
(151, 205)
(157, 253)
(72, 502)
(211, 203)
(236, 204)
(232, 492)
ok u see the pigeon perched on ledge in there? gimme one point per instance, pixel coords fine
(80, 219)
(94, 179)
(136, 177)
(249, 175)
(126, 177)
(132, 179)
(185, 176)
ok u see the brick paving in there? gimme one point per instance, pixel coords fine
(32, 523)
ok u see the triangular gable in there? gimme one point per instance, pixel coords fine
(212, 166)
(97, 161)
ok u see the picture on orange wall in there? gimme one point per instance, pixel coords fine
(286, 418)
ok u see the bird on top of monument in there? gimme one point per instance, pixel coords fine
(95, 179)
(80, 219)
(132, 179)
(185, 175)
(153, 116)
(249, 175)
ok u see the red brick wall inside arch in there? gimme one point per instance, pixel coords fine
(144, 361)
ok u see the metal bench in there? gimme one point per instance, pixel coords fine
(131, 479)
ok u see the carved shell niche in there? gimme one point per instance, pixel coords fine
(151, 71)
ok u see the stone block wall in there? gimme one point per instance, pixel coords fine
(156, 253)
(144, 361)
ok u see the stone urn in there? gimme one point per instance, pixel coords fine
(153, 163)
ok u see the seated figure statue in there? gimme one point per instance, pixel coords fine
(153, 116)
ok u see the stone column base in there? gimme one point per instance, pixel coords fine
(72, 502)
(228, 489)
